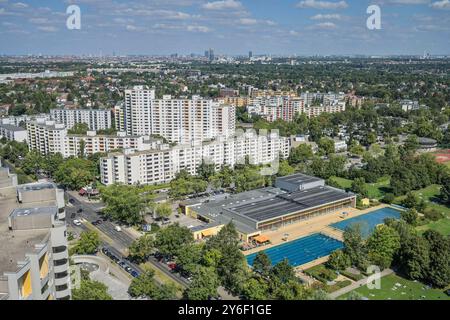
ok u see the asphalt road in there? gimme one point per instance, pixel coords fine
(122, 240)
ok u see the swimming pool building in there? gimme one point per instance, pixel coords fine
(256, 211)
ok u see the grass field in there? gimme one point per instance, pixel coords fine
(430, 195)
(376, 190)
(408, 290)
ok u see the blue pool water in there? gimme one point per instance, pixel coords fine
(369, 221)
(302, 250)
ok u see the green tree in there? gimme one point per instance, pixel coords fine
(75, 173)
(338, 260)
(285, 169)
(204, 284)
(189, 257)
(91, 290)
(141, 248)
(326, 145)
(382, 245)
(255, 289)
(445, 191)
(125, 203)
(262, 264)
(163, 210)
(439, 268)
(33, 162)
(388, 198)
(282, 272)
(169, 241)
(359, 186)
(410, 216)
(79, 128)
(145, 285)
(415, 257)
(354, 246)
(88, 243)
(300, 154)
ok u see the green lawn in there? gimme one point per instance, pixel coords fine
(376, 190)
(430, 195)
(409, 290)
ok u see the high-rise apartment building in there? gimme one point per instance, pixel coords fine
(34, 259)
(95, 119)
(177, 120)
(161, 163)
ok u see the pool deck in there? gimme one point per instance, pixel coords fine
(318, 224)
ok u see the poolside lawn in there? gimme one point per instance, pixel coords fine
(408, 290)
(376, 190)
(430, 194)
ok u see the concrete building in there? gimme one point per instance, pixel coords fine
(287, 107)
(49, 137)
(13, 133)
(22, 120)
(177, 120)
(297, 182)
(34, 257)
(254, 212)
(161, 163)
(96, 119)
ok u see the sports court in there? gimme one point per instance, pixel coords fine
(302, 250)
(369, 221)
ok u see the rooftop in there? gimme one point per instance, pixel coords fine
(299, 178)
(11, 127)
(284, 204)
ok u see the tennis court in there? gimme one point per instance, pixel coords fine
(368, 221)
(302, 250)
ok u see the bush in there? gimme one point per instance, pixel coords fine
(388, 198)
(352, 276)
(338, 285)
(433, 214)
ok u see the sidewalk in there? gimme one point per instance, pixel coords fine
(356, 285)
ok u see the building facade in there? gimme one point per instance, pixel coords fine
(160, 164)
(13, 133)
(177, 120)
(34, 259)
(95, 119)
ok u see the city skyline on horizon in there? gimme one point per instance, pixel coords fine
(230, 27)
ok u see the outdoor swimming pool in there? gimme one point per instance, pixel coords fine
(302, 250)
(369, 221)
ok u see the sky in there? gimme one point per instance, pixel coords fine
(232, 27)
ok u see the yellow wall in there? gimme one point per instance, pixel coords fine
(26, 284)
(43, 266)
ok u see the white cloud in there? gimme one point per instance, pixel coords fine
(47, 29)
(202, 29)
(222, 5)
(443, 4)
(130, 27)
(326, 17)
(20, 5)
(316, 4)
(324, 26)
(39, 20)
(252, 22)
(410, 1)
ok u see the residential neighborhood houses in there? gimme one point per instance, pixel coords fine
(169, 174)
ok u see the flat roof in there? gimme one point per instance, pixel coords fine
(11, 127)
(284, 204)
(22, 212)
(36, 186)
(299, 178)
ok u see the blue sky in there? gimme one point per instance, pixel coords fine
(307, 27)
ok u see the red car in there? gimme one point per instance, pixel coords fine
(172, 265)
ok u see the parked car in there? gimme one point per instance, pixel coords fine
(71, 201)
(80, 210)
(77, 222)
(73, 215)
(118, 229)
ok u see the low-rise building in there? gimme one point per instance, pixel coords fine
(13, 133)
(254, 212)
